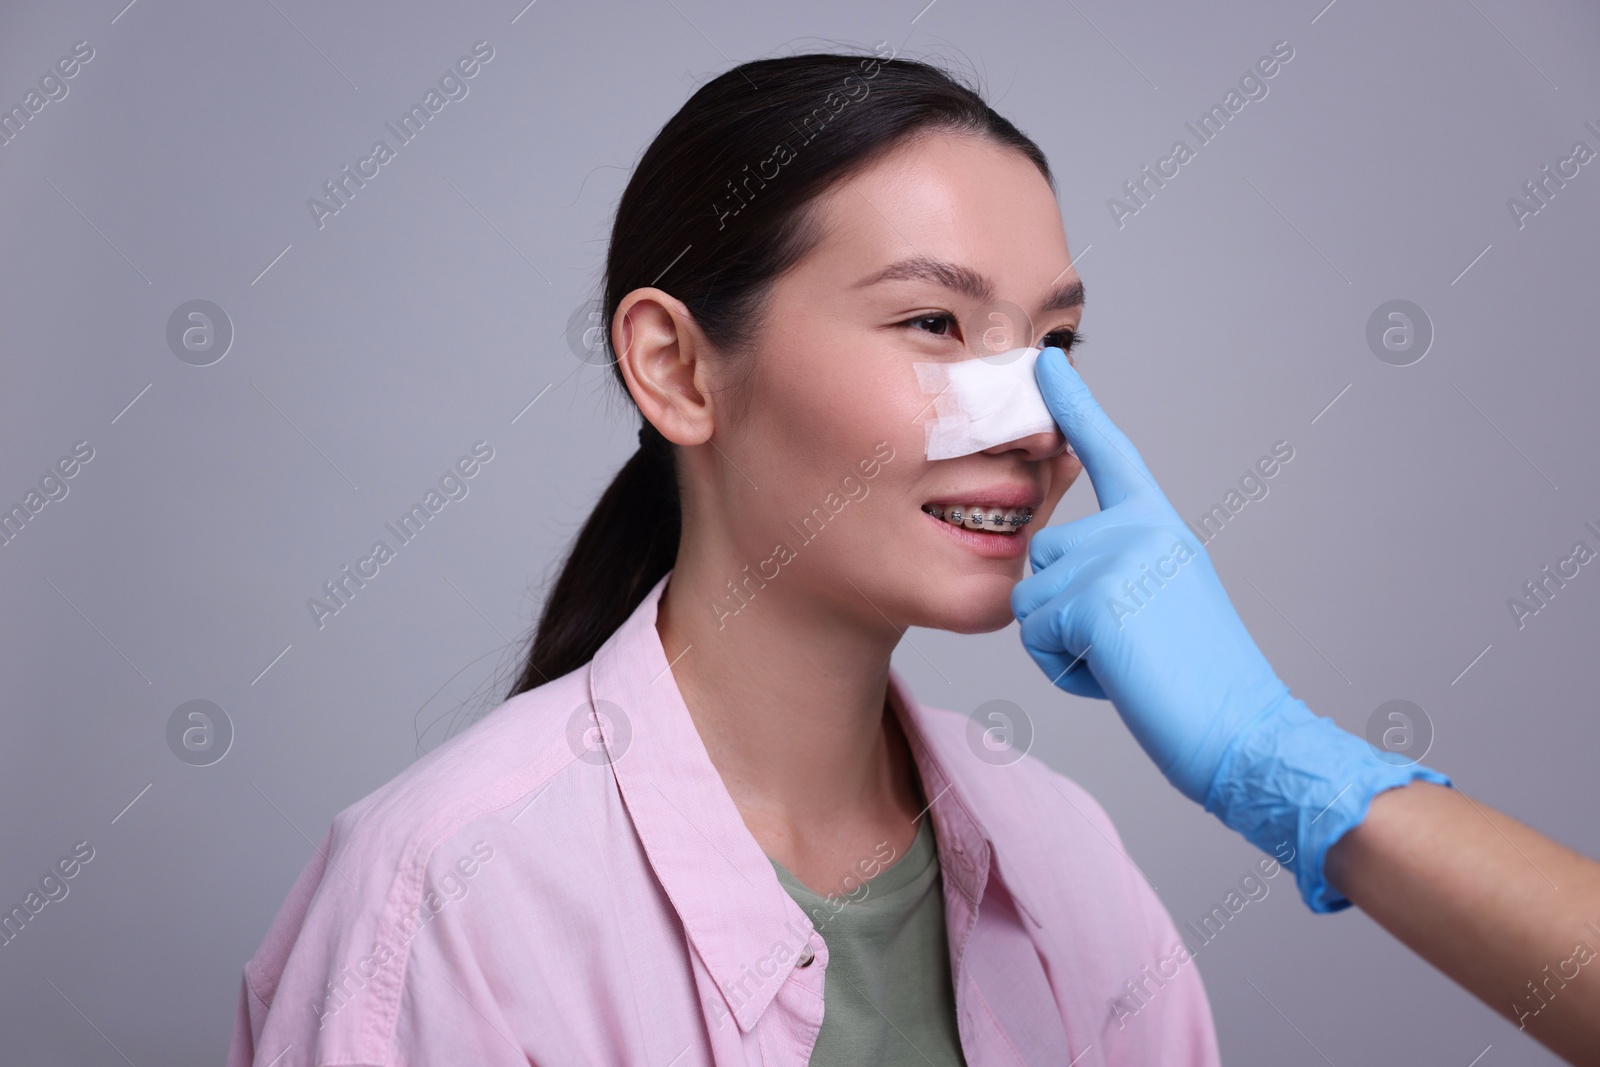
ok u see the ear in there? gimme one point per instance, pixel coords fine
(662, 355)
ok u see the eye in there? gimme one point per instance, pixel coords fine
(942, 317)
(1065, 339)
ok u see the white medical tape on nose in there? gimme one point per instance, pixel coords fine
(982, 402)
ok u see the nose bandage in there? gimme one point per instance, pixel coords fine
(983, 402)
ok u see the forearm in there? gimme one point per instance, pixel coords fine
(1511, 915)
(1227, 732)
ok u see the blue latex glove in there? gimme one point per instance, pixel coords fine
(1124, 605)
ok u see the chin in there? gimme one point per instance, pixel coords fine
(982, 607)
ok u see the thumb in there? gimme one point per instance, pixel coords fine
(1114, 466)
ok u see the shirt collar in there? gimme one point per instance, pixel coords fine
(950, 769)
(732, 906)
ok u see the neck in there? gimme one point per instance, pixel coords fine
(789, 697)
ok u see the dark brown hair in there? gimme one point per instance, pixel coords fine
(715, 211)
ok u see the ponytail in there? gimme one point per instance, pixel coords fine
(629, 543)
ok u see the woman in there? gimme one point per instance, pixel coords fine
(776, 267)
(711, 825)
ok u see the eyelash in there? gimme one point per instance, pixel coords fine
(1074, 338)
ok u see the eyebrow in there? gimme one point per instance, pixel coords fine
(968, 282)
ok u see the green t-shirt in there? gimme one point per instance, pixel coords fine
(888, 999)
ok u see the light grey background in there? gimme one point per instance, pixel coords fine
(427, 314)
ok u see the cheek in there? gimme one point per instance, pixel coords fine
(833, 408)
(816, 419)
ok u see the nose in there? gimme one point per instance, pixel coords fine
(1034, 446)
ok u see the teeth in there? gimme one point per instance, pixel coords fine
(979, 517)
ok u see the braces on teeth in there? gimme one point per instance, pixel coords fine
(995, 516)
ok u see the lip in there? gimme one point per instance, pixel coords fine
(991, 545)
(993, 496)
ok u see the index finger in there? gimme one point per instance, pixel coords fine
(1114, 466)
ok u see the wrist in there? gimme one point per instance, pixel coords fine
(1296, 779)
(1250, 703)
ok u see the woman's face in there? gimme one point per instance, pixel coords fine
(830, 445)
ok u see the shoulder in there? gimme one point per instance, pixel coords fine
(510, 752)
(331, 969)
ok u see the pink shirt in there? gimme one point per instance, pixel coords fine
(531, 892)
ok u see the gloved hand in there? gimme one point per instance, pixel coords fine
(1124, 605)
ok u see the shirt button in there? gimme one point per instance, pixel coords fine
(807, 954)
